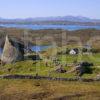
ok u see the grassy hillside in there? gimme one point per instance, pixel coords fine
(46, 37)
(48, 90)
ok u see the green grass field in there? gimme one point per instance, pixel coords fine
(95, 58)
(29, 67)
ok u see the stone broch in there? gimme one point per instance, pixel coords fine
(13, 51)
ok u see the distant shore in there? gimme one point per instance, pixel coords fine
(56, 34)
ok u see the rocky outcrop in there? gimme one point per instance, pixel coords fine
(13, 51)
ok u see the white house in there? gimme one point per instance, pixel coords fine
(72, 52)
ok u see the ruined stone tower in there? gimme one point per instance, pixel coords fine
(13, 51)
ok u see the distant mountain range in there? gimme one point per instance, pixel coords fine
(53, 20)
